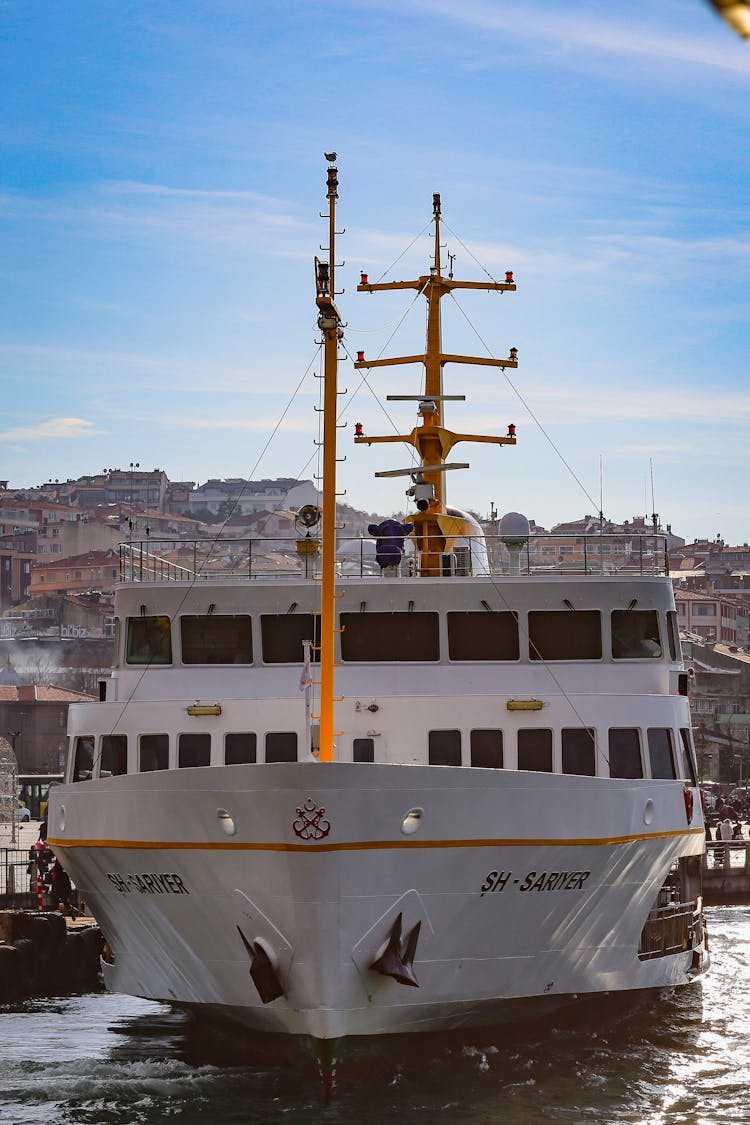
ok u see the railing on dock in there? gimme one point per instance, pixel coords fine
(18, 879)
(729, 855)
(163, 559)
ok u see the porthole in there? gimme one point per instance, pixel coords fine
(412, 821)
(648, 812)
(62, 818)
(226, 821)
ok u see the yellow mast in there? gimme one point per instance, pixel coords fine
(329, 323)
(431, 440)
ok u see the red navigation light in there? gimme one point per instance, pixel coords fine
(360, 357)
(358, 429)
(512, 430)
(363, 279)
(509, 276)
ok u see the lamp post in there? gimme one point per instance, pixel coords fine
(133, 465)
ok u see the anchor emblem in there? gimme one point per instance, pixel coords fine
(311, 824)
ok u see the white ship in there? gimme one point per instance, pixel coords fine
(491, 814)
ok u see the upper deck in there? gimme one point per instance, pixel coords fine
(216, 560)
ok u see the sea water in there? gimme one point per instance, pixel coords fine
(101, 1059)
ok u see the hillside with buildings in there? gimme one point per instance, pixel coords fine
(65, 544)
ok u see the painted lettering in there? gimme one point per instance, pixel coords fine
(148, 883)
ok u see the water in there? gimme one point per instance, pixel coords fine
(114, 1060)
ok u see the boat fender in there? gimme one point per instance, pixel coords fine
(688, 795)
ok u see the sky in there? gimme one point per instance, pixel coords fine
(161, 182)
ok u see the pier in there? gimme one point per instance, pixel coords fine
(726, 873)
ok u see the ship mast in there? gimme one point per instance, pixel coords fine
(434, 529)
(329, 322)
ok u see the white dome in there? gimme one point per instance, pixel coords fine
(513, 525)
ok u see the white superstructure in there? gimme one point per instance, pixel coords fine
(511, 820)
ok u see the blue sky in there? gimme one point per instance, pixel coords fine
(161, 178)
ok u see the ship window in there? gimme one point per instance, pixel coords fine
(660, 753)
(535, 750)
(444, 748)
(483, 636)
(579, 751)
(148, 641)
(114, 755)
(673, 636)
(154, 752)
(218, 639)
(193, 749)
(389, 636)
(240, 748)
(625, 752)
(281, 746)
(283, 634)
(487, 749)
(635, 634)
(688, 755)
(556, 634)
(83, 763)
(363, 750)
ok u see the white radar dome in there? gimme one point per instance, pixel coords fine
(514, 526)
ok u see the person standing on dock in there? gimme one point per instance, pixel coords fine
(723, 832)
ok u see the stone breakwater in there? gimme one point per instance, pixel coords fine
(44, 954)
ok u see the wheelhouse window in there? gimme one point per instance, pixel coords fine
(535, 750)
(688, 755)
(149, 641)
(390, 636)
(281, 746)
(114, 755)
(483, 636)
(83, 761)
(486, 748)
(556, 634)
(673, 636)
(154, 752)
(193, 749)
(444, 748)
(660, 754)
(282, 635)
(240, 748)
(635, 634)
(216, 639)
(363, 750)
(579, 751)
(625, 752)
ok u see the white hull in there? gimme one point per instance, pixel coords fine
(530, 888)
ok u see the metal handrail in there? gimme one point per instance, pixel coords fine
(217, 559)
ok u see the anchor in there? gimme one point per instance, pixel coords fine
(262, 971)
(397, 961)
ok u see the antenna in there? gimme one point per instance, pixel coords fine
(654, 517)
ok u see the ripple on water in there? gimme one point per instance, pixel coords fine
(114, 1060)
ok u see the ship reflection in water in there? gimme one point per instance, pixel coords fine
(121, 1061)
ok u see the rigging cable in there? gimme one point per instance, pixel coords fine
(199, 569)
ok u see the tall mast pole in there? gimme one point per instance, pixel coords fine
(434, 290)
(329, 323)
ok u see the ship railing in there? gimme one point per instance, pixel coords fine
(668, 929)
(597, 555)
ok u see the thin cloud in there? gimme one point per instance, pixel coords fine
(571, 32)
(54, 429)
